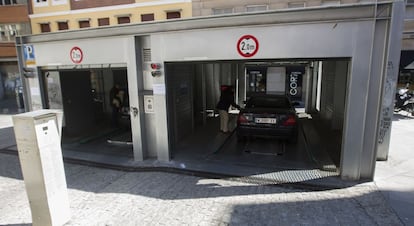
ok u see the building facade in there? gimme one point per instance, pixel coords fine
(58, 15)
(217, 7)
(352, 43)
(14, 21)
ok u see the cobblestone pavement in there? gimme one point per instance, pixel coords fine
(109, 197)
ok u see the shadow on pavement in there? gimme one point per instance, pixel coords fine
(354, 210)
(402, 116)
(119, 196)
(152, 184)
(305, 165)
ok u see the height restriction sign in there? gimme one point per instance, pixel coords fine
(247, 46)
(76, 55)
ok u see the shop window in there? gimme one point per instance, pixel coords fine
(256, 8)
(222, 11)
(3, 36)
(63, 25)
(8, 2)
(103, 21)
(45, 27)
(296, 4)
(84, 23)
(124, 20)
(147, 17)
(8, 32)
(13, 2)
(173, 15)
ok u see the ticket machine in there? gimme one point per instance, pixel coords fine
(38, 138)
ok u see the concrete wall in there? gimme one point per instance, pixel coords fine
(334, 86)
(95, 51)
(207, 7)
(282, 42)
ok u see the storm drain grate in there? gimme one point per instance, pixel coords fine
(287, 176)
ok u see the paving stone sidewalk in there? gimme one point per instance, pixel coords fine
(108, 197)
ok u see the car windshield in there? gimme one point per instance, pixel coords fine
(268, 102)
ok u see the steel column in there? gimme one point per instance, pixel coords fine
(391, 77)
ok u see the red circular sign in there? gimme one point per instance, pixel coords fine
(76, 55)
(247, 46)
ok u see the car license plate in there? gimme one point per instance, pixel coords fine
(266, 120)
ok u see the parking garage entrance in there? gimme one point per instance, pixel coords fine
(95, 103)
(354, 51)
(317, 86)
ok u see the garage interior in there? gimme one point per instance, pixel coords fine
(193, 90)
(85, 97)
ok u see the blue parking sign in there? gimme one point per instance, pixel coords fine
(29, 55)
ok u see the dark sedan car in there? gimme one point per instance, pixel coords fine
(268, 116)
